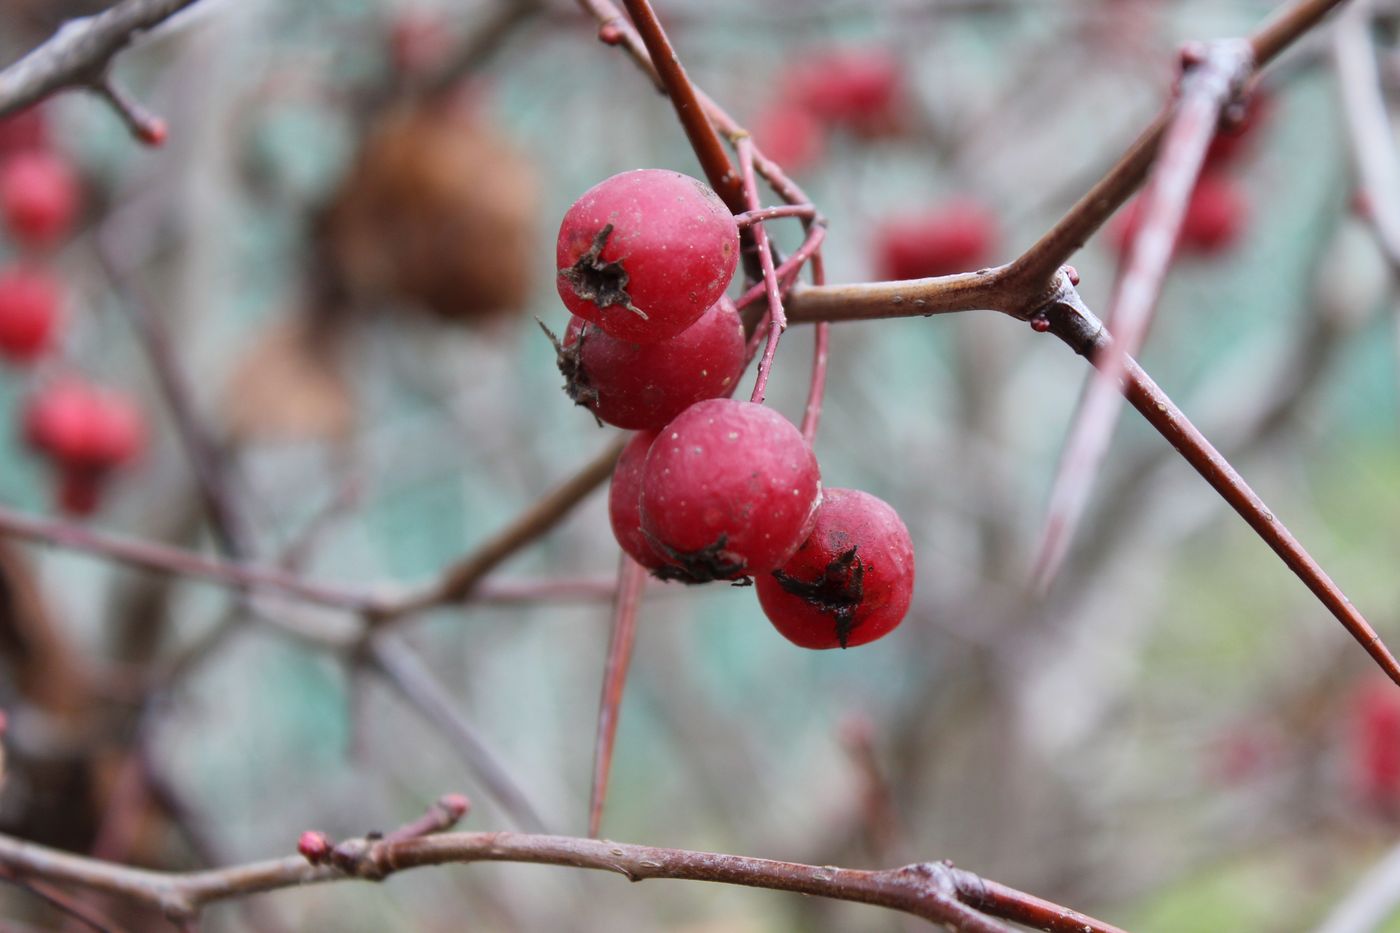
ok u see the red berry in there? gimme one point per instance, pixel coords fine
(850, 582)
(38, 197)
(1215, 216)
(1235, 139)
(1214, 220)
(23, 131)
(729, 489)
(791, 136)
(1373, 747)
(642, 386)
(30, 312)
(645, 253)
(625, 507)
(84, 427)
(957, 237)
(861, 90)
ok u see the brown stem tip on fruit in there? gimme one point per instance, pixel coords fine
(837, 592)
(603, 283)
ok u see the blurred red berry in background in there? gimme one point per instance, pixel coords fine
(38, 197)
(31, 310)
(958, 236)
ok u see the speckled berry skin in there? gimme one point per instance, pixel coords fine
(624, 503)
(850, 582)
(645, 253)
(729, 490)
(642, 386)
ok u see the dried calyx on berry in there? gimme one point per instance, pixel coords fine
(850, 582)
(642, 386)
(645, 253)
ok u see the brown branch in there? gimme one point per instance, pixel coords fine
(631, 580)
(1208, 85)
(459, 581)
(1373, 150)
(81, 52)
(1076, 325)
(935, 891)
(405, 672)
(61, 901)
(1055, 248)
(706, 142)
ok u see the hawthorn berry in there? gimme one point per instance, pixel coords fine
(790, 135)
(956, 237)
(861, 90)
(1215, 216)
(645, 253)
(38, 197)
(850, 582)
(1214, 220)
(642, 386)
(624, 503)
(729, 490)
(30, 312)
(1373, 745)
(86, 432)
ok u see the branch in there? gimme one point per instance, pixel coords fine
(708, 146)
(459, 580)
(1372, 138)
(80, 55)
(631, 580)
(1071, 321)
(404, 671)
(935, 891)
(1207, 86)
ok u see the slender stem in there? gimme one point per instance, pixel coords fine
(150, 555)
(403, 670)
(706, 142)
(79, 54)
(751, 217)
(816, 389)
(777, 321)
(458, 581)
(1206, 88)
(1073, 323)
(631, 580)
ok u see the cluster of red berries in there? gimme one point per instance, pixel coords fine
(858, 91)
(83, 430)
(710, 488)
(1218, 212)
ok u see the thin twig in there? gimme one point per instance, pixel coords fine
(1207, 87)
(81, 52)
(777, 321)
(631, 580)
(1076, 325)
(403, 670)
(935, 891)
(706, 142)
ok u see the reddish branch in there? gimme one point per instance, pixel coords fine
(935, 891)
(1212, 78)
(631, 580)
